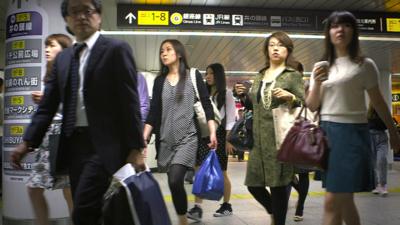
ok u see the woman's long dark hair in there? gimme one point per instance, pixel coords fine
(219, 82)
(64, 41)
(287, 42)
(183, 65)
(340, 17)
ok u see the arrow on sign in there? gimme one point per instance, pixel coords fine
(130, 17)
(19, 3)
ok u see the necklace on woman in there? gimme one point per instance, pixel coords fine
(271, 74)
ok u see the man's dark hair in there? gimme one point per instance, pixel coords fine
(64, 7)
(64, 11)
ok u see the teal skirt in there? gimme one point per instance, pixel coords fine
(350, 167)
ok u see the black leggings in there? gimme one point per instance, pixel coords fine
(176, 176)
(275, 203)
(302, 188)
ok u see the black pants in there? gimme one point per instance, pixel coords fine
(302, 188)
(176, 176)
(88, 177)
(275, 203)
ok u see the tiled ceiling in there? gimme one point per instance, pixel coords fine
(359, 5)
(245, 53)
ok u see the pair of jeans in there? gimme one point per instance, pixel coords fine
(379, 142)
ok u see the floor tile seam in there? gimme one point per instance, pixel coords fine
(168, 198)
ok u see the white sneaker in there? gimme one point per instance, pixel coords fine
(384, 192)
(377, 190)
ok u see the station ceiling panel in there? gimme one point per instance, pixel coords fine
(245, 53)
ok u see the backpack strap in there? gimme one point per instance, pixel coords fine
(194, 81)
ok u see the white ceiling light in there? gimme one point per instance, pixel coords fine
(226, 71)
(235, 72)
(185, 33)
(232, 34)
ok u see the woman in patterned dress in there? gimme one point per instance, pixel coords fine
(40, 178)
(172, 119)
(279, 83)
(338, 88)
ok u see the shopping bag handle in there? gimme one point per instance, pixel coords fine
(128, 170)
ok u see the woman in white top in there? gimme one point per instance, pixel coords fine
(223, 98)
(338, 87)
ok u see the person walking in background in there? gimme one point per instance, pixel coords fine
(189, 176)
(380, 148)
(143, 96)
(41, 178)
(338, 87)
(302, 183)
(240, 93)
(279, 83)
(172, 119)
(95, 81)
(1, 127)
(223, 98)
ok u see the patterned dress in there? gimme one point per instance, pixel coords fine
(221, 152)
(178, 136)
(40, 176)
(263, 168)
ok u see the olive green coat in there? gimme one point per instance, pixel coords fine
(263, 169)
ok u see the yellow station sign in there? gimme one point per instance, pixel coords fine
(156, 18)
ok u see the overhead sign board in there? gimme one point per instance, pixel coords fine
(197, 17)
(393, 24)
(133, 16)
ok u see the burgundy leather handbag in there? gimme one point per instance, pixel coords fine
(305, 145)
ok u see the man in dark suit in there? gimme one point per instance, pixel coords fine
(95, 81)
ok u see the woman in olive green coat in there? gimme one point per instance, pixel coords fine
(277, 84)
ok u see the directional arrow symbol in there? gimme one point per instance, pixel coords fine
(19, 3)
(130, 17)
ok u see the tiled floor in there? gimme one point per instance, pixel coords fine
(374, 210)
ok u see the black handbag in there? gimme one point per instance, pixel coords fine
(241, 135)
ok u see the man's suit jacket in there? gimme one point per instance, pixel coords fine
(111, 100)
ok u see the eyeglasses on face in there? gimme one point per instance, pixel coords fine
(83, 11)
(278, 45)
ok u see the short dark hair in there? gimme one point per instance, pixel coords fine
(62, 39)
(287, 43)
(340, 17)
(64, 7)
(64, 42)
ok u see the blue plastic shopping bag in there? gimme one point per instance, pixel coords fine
(209, 179)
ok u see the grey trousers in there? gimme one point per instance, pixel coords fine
(380, 148)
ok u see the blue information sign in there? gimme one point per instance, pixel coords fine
(23, 24)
